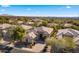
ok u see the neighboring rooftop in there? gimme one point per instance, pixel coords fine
(65, 31)
(31, 35)
(26, 27)
(45, 29)
(5, 26)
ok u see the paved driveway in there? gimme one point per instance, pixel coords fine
(36, 49)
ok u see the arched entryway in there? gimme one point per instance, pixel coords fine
(41, 37)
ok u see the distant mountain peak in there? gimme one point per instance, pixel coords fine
(5, 15)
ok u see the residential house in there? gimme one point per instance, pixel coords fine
(36, 19)
(52, 24)
(68, 24)
(30, 37)
(39, 33)
(43, 32)
(20, 22)
(77, 40)
(70, 33)
(4, 28)
(29, 23)
(26, 27)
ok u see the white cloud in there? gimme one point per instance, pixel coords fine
(5, 6)
(37, 11)
(68, 6)
(28, 9)
(2, 10)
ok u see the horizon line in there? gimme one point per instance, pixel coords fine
(37, 15)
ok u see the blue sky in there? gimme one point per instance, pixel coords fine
(40, 10)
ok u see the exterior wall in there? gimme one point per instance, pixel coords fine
(76, 40)
(59, 36)
(4, 33)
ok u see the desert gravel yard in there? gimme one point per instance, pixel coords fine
(36, 49)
